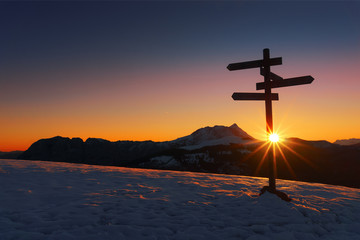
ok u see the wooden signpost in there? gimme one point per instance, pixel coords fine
(271, 80)
(253, 96)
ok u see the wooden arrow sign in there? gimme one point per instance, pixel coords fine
(253, 96)
(273, 76)
(254, 64)
(286, 82)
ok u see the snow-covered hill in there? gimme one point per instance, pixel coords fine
(47, 200)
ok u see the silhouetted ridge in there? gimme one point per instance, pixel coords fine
(347, 142)
(97, 150)
(217, 149)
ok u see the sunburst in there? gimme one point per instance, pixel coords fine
(277, 144)
(274, 138)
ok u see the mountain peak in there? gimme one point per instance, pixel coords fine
(216, 135)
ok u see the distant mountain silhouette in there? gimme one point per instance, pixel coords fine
(351, 141)
(10, 155)
(95, 150)
(217, 149)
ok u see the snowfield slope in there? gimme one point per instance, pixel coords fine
(52, 200)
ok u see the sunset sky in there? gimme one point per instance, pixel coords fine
(157, 70)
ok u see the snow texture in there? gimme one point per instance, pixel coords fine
(48, 200)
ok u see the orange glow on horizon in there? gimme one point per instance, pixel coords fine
(157, 110)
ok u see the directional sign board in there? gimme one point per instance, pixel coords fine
(253, 96)
(273, 76)
(271, 80)
(254, 64)
(286, 82)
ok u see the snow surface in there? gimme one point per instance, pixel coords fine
(48, 200)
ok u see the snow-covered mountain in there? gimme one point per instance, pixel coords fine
(47, 200)
(347, 142)
(212, 136)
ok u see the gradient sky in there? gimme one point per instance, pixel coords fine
(157, 70)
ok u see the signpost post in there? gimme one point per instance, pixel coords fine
(271, 80)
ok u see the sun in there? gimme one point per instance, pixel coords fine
(274, 137)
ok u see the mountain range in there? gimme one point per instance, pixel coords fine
(124, 153)
(217, 149)
(10, 155)
(351, 141)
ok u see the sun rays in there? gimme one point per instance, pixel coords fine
(280, 148)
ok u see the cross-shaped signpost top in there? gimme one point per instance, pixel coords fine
(271, 80)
